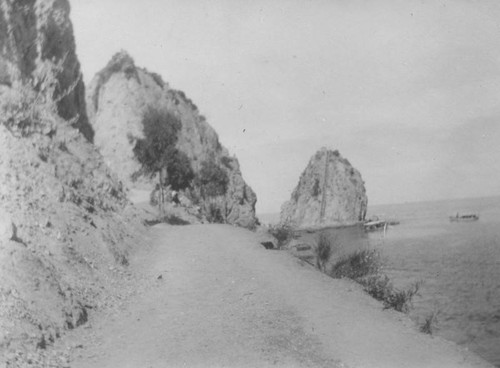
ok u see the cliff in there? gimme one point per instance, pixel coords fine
(330, 192)
(66, 227)
(36, 31)
(117, 98)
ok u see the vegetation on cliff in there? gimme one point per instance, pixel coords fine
(212, 180)
(365, 267)
(157, 152)
(118, 99)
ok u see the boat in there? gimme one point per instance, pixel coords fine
(375, 225)
(464, 217)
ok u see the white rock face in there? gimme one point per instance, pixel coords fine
(330, 193)
(7, 227)
(117, 99)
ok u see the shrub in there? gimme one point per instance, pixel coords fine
(157, 79)
(381, 288)
(364, 267)
(402, 300)
(184, 98)
(324, 249)
(212, 179)
(357, 265)
(282, 233)
(168, 219)
(214, 214)
(180, 173)
(315, 188)
(429, 323)
(226, 161)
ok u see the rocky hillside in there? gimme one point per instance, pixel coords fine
(65, 230)
(330, 192)
(33, 32)
(66, 227)
(117, 99)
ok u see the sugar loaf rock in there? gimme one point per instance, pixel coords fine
(330, 192)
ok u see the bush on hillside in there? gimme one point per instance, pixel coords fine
(282, 233)
(381, 288)
(212, 179)
(357, 265)
(179, 171)
(214, 214)
(227, 162)
(324, 249)
(430, 323)
(168, 219)
(315, 188)
(365, 268)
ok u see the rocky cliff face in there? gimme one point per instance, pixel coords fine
(65, 232)
(330, 193)
(117, 99)
(33, 32)
(66, 228)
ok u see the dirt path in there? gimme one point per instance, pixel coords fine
(224, 301)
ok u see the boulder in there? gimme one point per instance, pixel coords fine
(330, 193)
(8, 230)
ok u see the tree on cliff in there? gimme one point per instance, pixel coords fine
(212, 179)
(157, 153)
(179, 171)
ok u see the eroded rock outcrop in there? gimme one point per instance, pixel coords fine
(117, 99)
(36, 31)
(330, 192)
(66, 227)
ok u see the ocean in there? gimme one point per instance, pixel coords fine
(458, 264)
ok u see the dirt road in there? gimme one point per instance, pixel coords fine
(212, 296)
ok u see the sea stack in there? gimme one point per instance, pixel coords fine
(330, 193)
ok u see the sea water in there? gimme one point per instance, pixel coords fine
(458, 264)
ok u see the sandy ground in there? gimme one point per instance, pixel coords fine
(212, 296)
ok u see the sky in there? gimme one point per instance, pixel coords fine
(408, 91)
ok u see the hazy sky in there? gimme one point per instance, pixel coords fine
(407, 91)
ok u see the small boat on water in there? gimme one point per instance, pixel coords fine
(464, 217)
(375, 225)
